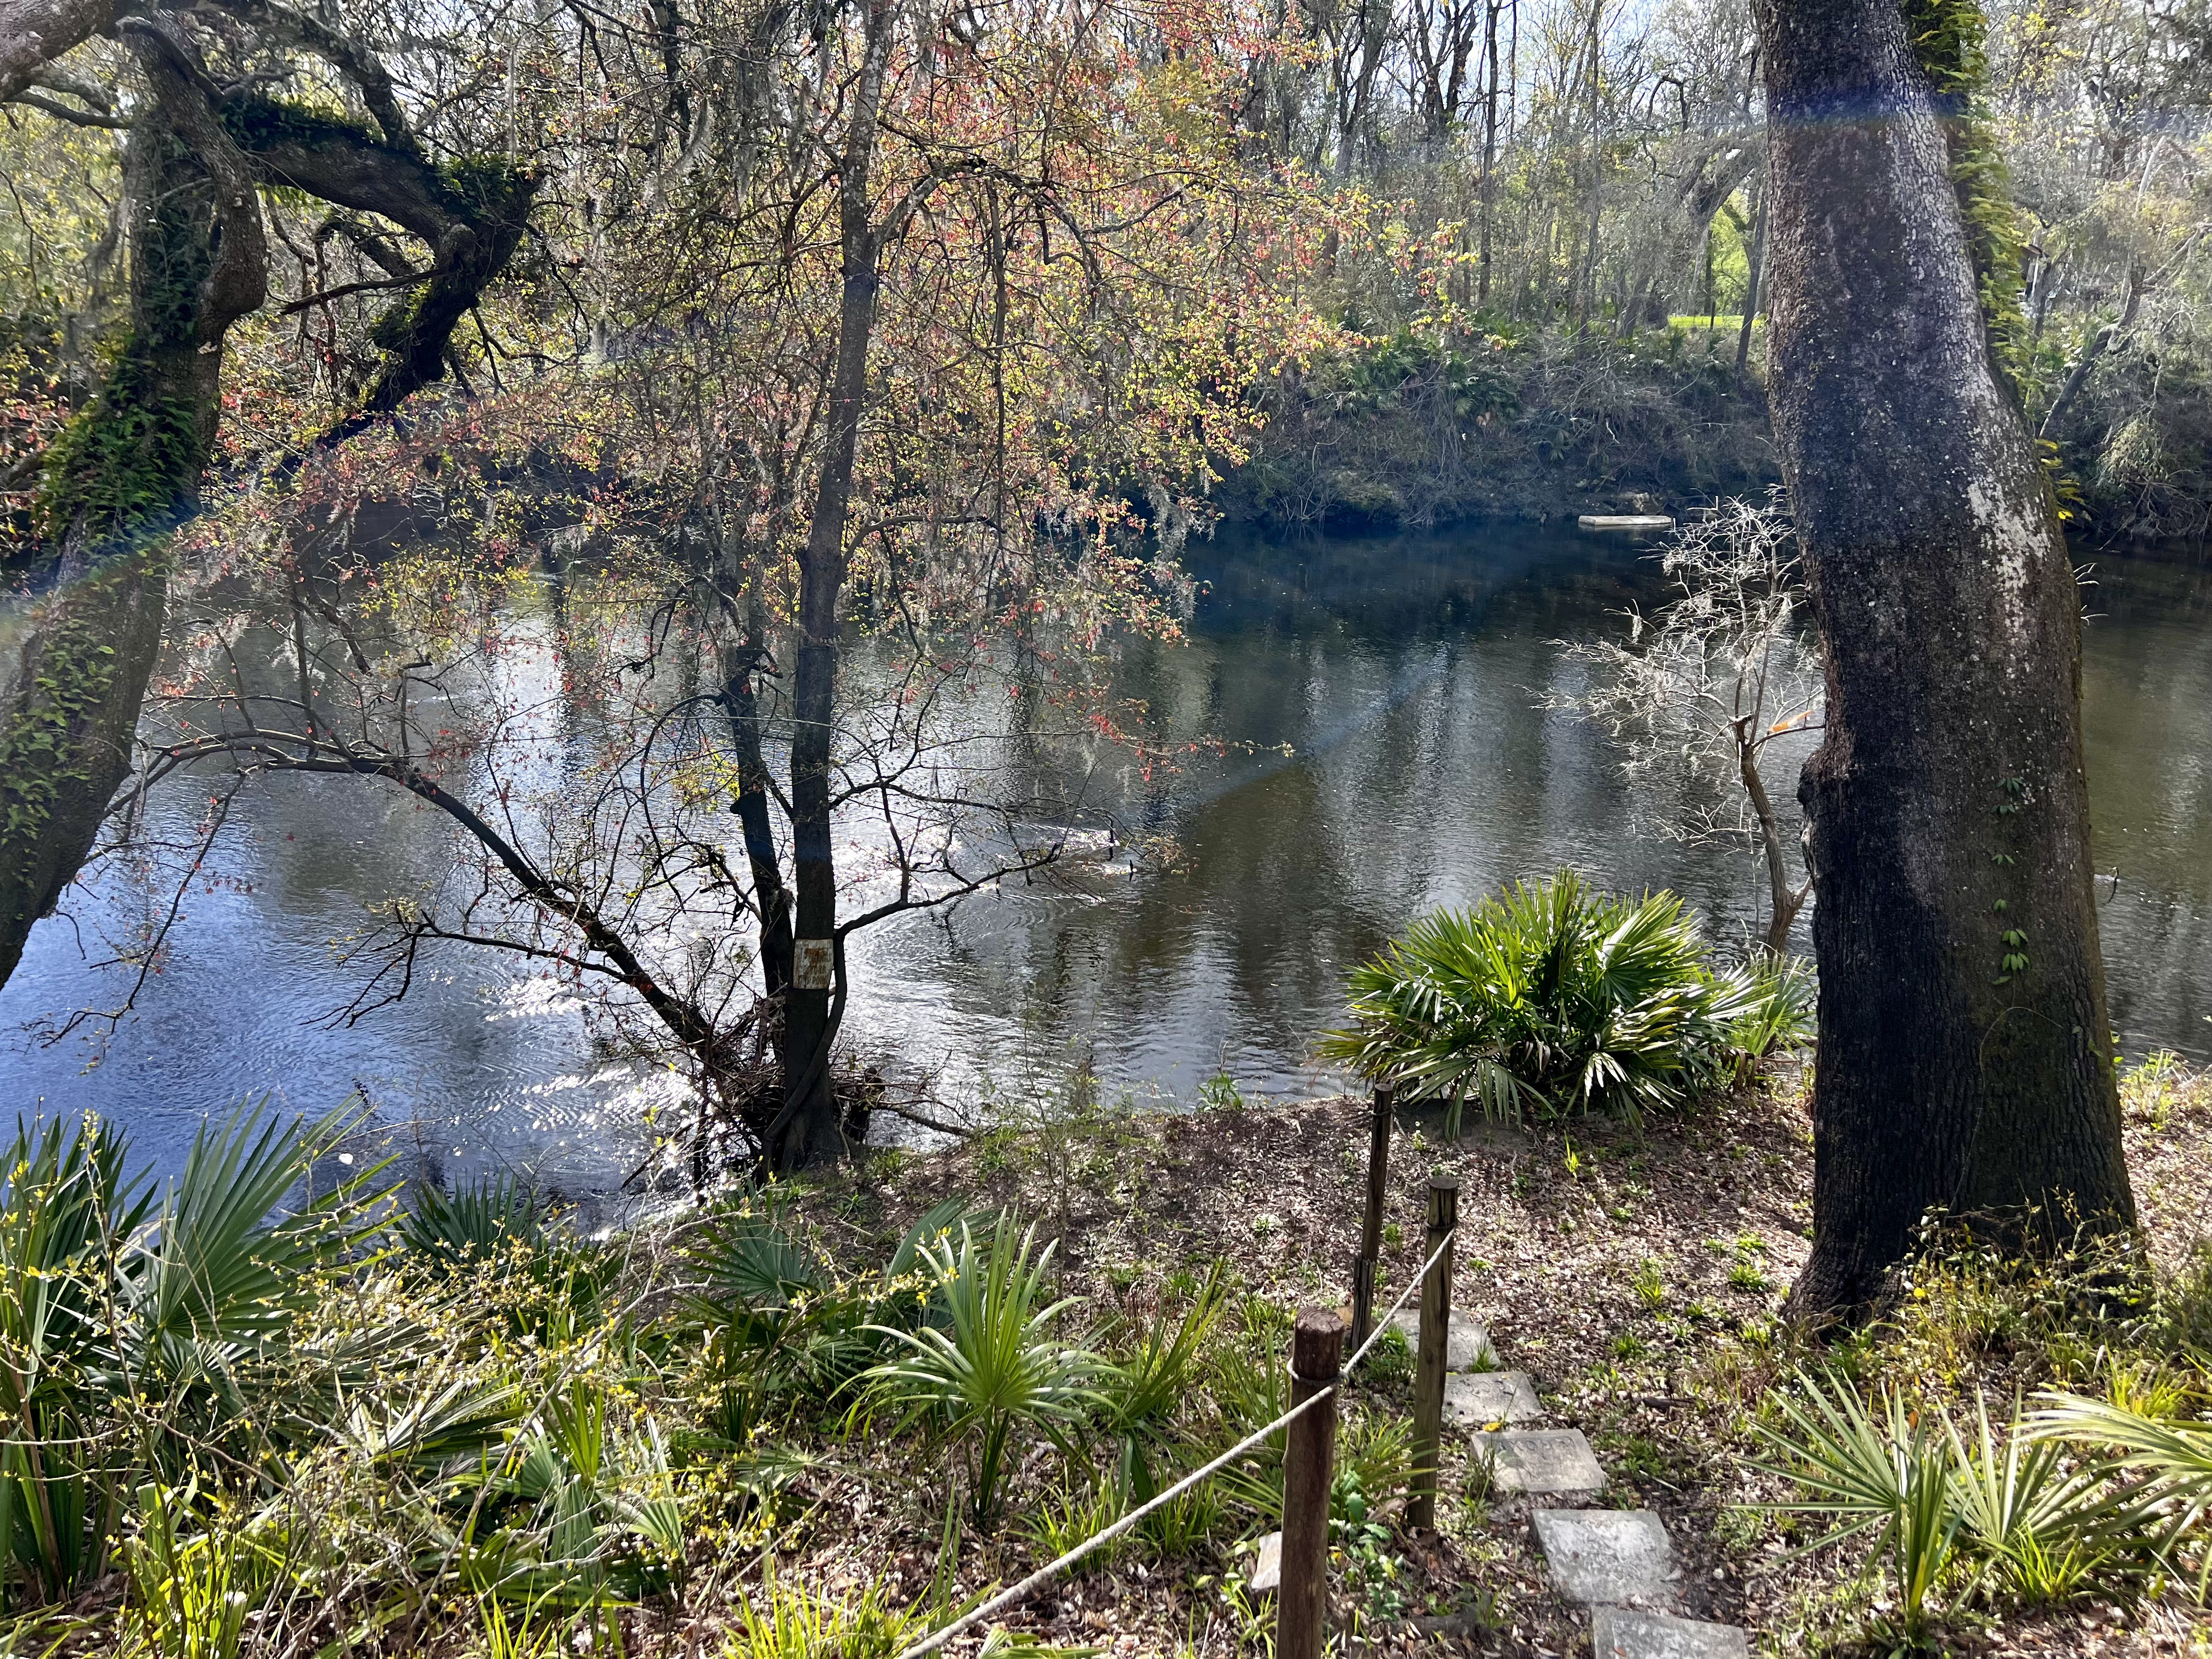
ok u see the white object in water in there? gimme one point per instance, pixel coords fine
(1087, 846)
(1625, 521)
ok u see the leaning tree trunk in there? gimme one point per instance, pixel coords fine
(127, 470)
(1965, 1063)
(122, 474)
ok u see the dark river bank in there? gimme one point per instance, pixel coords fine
(1389, 753)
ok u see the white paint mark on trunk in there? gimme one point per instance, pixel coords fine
(2012, 536)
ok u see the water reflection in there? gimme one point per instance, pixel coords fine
(1408, 677)
(1403, 678)
(2147, 707)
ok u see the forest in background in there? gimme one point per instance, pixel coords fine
(1546, 232)
(1592, 177)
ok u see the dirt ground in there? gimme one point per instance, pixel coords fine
(1635, 1273)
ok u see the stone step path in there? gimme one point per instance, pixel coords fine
(1603, 1558)
(1541, 1462)
(1619, 1563)
(1623, 1633)
(1490, 1400)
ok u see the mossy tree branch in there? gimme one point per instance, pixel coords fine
(472, 213)
(1948, 42)
(127, 469)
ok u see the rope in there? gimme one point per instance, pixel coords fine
(1044, 1575)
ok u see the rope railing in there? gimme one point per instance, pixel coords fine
(1020, 1592)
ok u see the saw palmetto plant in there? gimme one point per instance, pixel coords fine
(1550, 999)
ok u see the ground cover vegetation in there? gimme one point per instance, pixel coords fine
(823, 1416)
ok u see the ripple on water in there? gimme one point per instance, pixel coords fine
(1405, 678)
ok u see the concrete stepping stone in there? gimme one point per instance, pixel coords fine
(1267, 1566)
(1623, 1633)
(1477, 1399)
(1606, 1556)
(1467, 1341)
(1542, 1461)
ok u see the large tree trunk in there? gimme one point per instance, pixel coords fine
(1965, 1063)
(122, 473)
(127, 469)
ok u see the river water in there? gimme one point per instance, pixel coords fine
(1388, 751)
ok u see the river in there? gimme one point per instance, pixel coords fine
(1389, 751)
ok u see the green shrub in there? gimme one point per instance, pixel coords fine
(997, 1365)
(1219, 1093)
(1084, 1503)
(1374, 1577)
(797, 1626)
(191, 1594)
(1885, 1474)
(524, 1633)
(474, 1223)
(1973, 1306)
(179, 1316)
(2172, 1462)
(1186, 1522)
(2032, 1515)
(62, 1229)
(1552, 997)
(1391, 1361)
(2046, 1527)
(1145, 1391)
(578, 1507)
(786, 1332)
(549, 1285)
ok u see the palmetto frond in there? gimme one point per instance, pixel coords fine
(221, 1270)
(1552, 996)
(994, 1362)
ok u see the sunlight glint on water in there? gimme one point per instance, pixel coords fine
(1405, 676)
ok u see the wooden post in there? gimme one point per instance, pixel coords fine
(1371, 1230)
(1436, 1347)
(1309, 1466)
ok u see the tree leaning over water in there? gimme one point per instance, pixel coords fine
(1966, 1056)
(203, 139)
